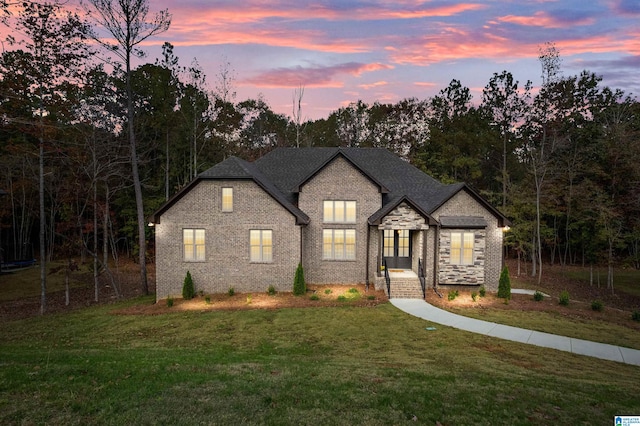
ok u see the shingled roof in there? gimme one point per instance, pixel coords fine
(283, 171)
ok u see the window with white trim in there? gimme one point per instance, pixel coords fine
(337, 211)
(462, 248)
(261, 243)
(193, 243)
(339, 244)
(227, 199)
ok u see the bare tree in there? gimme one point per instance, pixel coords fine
(127, 22)
(297, 112)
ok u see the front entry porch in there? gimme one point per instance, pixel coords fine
(402, 284)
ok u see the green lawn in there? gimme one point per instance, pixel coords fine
(315, 366)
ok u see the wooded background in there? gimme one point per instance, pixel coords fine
(561, 160)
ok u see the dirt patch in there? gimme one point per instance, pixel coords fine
(317, 296)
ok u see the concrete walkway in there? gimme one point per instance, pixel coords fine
(422, 309)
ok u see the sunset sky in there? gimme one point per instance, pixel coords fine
(388, 50)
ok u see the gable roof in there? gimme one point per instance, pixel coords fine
(234, 168)
(283, 171)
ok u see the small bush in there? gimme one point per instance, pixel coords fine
(482, 291)
(314, 297)
(635, 316)
(169, 302)
(452, 295)
(187, 287)
(231, 291)
(342, 298)
(327, 291)
(597, 305)
(299, 286)
(353, 290)
(371, 297)
(564, 298)
(538, 296)
(249, 299)
(207, 300)
(271, 291)
(504, 285)
(474, 296)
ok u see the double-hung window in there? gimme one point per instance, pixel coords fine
(339, 244)
(193, 242)
(261, 242)
(462, 248)
(227, 199)
(337, 211)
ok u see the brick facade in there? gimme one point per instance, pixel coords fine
(227, 261)
(227, 244)
(338, 180)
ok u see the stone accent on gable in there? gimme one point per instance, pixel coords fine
(339, 180)
(403, 217)
(464, 204)
(227, 261)
(450, 274)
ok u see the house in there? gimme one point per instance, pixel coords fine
(348, 215)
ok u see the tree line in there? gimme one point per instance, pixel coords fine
(89, 148)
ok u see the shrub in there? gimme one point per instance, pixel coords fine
(538, 296)
(231, 291)
(452, 295)
(187, 287)
(371, 297)
(564, 298)
(353, 290)
(169, 302)
(271, 291)
(597, 305)
(299, 286)
(207, 300)
(474, 296)
(342, 298)
(327, 291)
(482, 291)
(314, 297)
(635, 316)
(249, 299)
(504, 285)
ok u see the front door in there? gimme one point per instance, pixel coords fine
(397, 248)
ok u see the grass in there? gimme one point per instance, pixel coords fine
(555, 323)
(324, 366)
(26, 282)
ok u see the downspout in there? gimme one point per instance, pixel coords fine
(301, 245)
(366, 282)
(436, 259)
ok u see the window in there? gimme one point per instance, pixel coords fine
(462, 248)
(227, 199)
(261, 243)
(339, 211)
(339, 244)
(193, 243)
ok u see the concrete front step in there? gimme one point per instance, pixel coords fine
(406, 289)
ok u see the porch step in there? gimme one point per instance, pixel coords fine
(406, 288)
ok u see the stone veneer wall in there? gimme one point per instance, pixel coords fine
(339, 180)
(462, 274)
(227, 261)
(463, 204)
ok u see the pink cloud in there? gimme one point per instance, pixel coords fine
(311, 76)
(544, 19)
(373, 85)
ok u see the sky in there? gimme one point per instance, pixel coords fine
(388, 50)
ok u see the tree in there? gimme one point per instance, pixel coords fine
(126, 21)
(505, 105)
(54, 39)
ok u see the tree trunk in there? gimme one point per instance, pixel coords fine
(43, 254)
